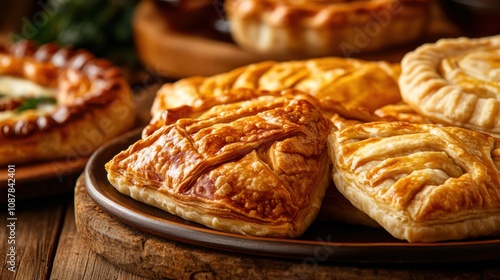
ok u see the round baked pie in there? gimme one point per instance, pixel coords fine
(350, 87)
(58, 103)
(325, 27)
(455, 82)
(421, 182)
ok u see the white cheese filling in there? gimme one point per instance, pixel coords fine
(15, 87)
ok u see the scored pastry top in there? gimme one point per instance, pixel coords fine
(47, 86)
(422, 182)
(300, 28)
(456, 82)
(256, 167)
(319, 13)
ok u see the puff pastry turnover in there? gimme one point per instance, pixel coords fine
(353, 88)
(325, 27)
(421, 182)
(455, 82)
(257, 167)
(58, 103)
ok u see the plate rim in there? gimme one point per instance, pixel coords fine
(351, 252)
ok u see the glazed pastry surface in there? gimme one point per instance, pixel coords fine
(258, 167)
(421, 182)
(455, 82)
(58, 102)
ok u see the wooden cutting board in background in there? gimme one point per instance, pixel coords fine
(175, 54)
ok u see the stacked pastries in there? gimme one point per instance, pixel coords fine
(422, 181)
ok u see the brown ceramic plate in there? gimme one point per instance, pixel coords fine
(322, 242)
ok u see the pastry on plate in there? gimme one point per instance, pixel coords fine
(337, 208)
(58, 103)
(455, 82)
(258, 167)
(325, 27)
(353, 88)
(421, 182)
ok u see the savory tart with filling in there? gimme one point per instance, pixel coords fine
(325, 27)
(353, 88)
(421, 182)
(58, 103)
(258, 167)
(455, 82)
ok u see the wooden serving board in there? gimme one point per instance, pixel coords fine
(175, 54)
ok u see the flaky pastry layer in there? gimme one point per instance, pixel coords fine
(421, 182)
(258, 167)
(325, 27)
(91, 103)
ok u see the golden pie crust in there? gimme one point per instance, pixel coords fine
(421, 182)
(92, 103)
(352, 88)
(325, 27)
(258, 167)
(455, 82)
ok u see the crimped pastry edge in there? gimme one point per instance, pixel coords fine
(422, 87)
(107, 83)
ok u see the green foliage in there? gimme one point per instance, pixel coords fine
(103, 27)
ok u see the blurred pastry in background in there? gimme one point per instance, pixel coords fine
(455, 81)
(325, 27)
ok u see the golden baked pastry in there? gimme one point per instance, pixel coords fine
(257, 167)
(455, 82)
(325, 27)
(350, 87)
(400, 112)
(421, 182)
(58, 103)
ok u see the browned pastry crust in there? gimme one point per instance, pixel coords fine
(257, 167)
(325, 27)
(350, 87)
(337, 208)
(92, 103)
(455, 82)
(421, 182)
